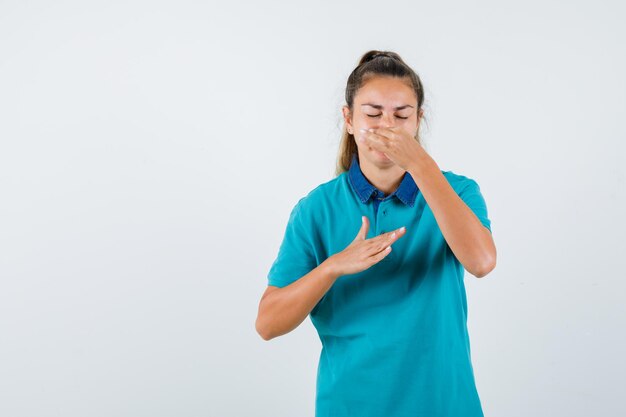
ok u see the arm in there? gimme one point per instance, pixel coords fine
(283, 309)
(470, 241)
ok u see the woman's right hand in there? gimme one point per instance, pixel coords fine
(363, 253)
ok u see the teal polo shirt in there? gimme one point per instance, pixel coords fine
(394, 336)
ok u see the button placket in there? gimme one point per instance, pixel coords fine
(382, 216)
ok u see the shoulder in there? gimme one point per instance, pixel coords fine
(322, 195)
(311, 208)
(458, 181)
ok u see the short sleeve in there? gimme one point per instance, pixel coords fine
(474, 199)
(296, 255)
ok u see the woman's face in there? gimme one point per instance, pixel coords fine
(382, 102)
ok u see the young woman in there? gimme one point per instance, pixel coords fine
(392, 322)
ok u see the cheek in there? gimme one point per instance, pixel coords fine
(364, 121)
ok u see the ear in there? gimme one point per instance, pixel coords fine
(347, 118)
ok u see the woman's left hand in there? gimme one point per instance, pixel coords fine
(396, 143)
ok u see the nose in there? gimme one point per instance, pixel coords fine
(387, 120)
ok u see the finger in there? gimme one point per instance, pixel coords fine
(378, 144)
(389, 132)
(386, 239)
(372, 139)
(397, 234)
(380, 255)
(364, 228)
(379, 133)
(389, 235)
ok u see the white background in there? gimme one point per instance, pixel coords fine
(150, 154)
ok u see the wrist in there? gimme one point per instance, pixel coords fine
(329, 269)
(421, 165)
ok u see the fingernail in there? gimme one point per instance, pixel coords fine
(393, 234)
(402, 229)
(363, 130)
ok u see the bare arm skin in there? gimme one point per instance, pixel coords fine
(283, 309)
(470, 241)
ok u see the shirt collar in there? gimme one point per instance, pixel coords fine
(406, 191)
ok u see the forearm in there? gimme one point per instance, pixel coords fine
(470, 241)
(284, 309)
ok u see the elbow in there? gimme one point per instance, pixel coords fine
(264, 335)
(265, 325)
(262, 330)
(485, 267)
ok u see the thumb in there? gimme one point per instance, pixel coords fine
(365, 225)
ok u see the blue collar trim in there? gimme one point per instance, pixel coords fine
(406, 191)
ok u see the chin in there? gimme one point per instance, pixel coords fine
(381, 157)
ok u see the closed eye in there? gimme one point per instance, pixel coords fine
(376, 115)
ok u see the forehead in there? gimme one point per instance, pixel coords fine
(387, 91)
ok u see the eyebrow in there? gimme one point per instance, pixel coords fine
(378, 106)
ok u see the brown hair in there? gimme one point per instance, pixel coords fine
(374, 63)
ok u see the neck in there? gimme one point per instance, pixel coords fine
(386, 179)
